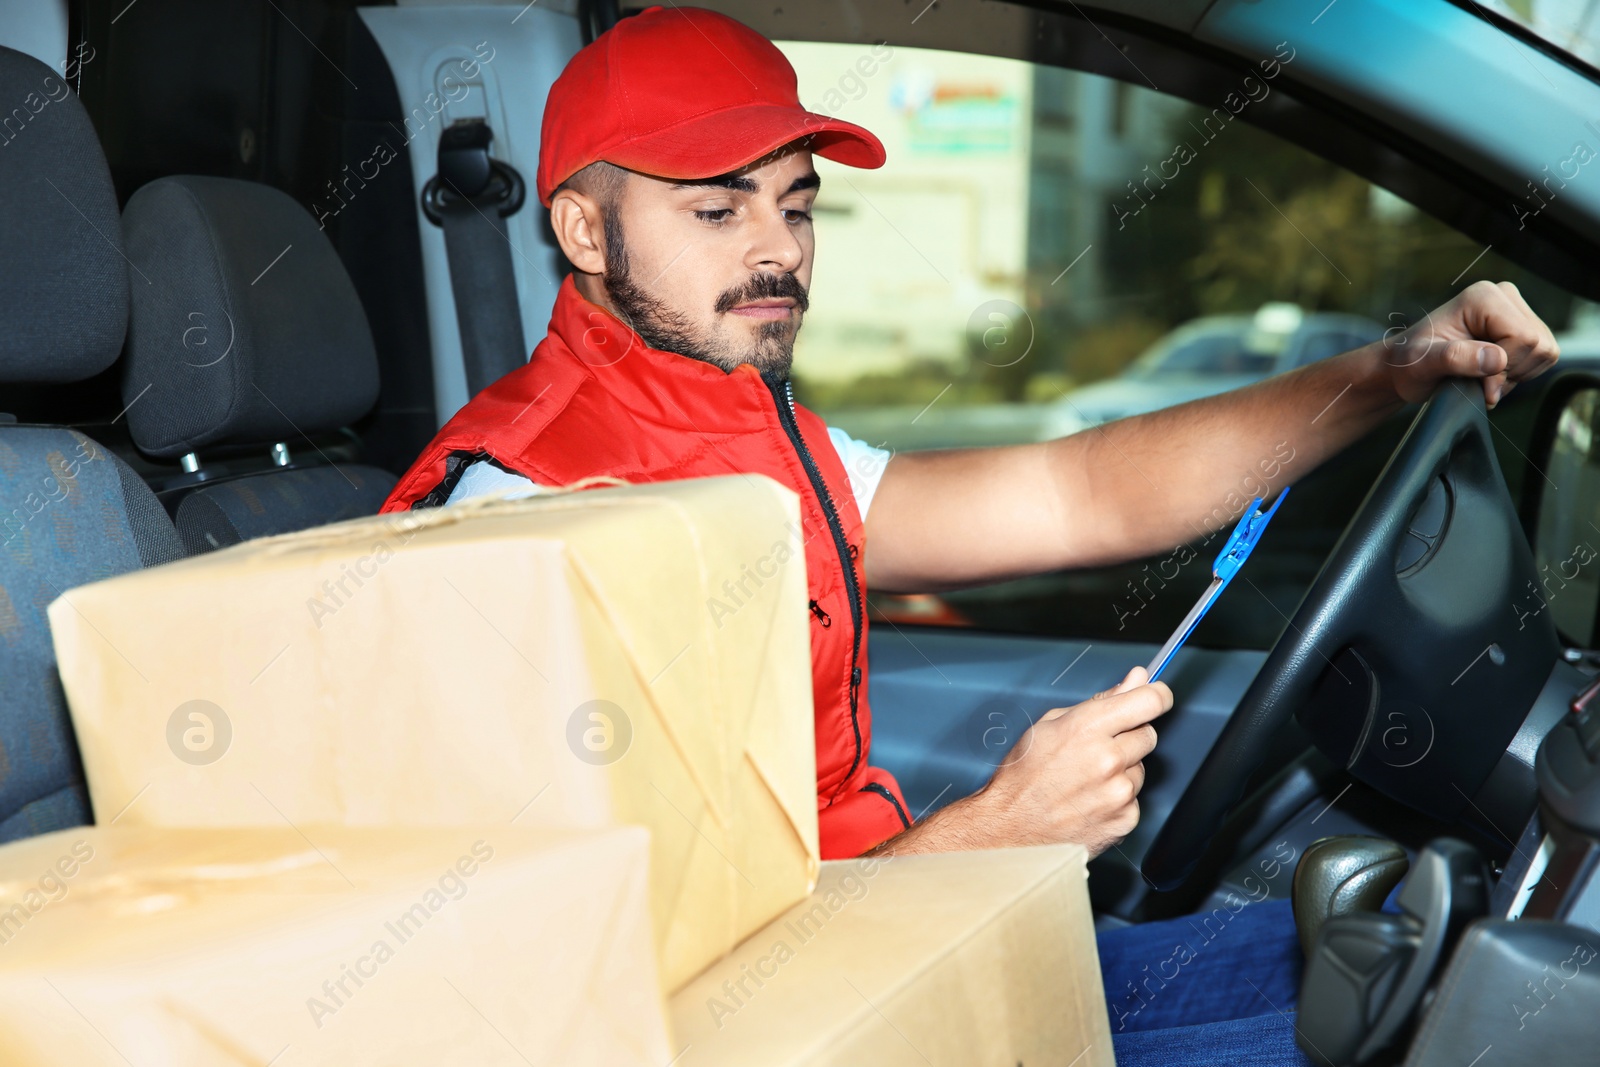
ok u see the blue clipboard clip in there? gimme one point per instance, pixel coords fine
(1229, 562)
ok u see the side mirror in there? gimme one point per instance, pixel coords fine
(1566, 542)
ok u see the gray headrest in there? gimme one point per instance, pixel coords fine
(246, 328)
(65, 308)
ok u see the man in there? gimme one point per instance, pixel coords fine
(676, 163)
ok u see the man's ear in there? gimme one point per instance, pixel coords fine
(579, 229)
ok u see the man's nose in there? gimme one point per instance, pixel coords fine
(776, 247)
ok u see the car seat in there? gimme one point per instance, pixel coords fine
(71, 512)
(246, 333)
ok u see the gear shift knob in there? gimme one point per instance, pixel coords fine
(1340, 875)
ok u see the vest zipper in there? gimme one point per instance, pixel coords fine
(783, 397)
(822, 616)
(883, 791)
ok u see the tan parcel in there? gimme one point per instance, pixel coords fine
(621, 655)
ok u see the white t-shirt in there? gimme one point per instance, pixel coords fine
(862, 462)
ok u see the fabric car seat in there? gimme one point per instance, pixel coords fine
(246, 331)
(71, 512)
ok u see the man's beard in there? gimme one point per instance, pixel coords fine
(664, 329)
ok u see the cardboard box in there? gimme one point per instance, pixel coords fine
(960, 959)
(623, 655)
(214, 948)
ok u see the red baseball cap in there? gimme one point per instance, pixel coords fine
(683, 93)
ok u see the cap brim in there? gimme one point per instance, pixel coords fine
(724, 141)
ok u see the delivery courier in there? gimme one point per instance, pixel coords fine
(676, 161)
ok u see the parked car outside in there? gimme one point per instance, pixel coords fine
(1202, 357)
(1209, 355)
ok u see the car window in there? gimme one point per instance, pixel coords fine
(1570, 25)
(1048, 249)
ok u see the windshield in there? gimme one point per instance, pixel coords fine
(1037, 231)
(1570, 25)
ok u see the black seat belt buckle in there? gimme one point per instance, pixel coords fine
(469, 177)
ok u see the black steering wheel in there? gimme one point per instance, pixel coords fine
(1415, 655)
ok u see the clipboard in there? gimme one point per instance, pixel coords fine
(1228, 563)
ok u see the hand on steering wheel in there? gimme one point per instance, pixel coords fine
(1406, 661)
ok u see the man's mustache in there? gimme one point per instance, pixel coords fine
(764, 287)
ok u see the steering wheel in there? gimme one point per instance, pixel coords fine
(1416, 653)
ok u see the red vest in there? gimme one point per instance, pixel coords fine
(595, 399)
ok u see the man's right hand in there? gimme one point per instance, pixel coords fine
(1074, 776)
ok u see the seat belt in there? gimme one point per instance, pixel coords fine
(468, 197)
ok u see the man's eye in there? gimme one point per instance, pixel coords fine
(715, 215)
(795, 214)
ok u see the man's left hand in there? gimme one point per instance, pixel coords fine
(1487, 331)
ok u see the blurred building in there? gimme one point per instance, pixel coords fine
(1000, 176)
